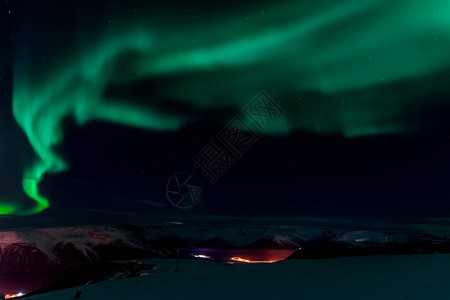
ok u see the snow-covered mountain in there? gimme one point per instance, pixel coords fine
(86, 252)
(59, 249)
(74, 249)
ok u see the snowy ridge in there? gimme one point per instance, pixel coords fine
(53, 249)
(56, 249)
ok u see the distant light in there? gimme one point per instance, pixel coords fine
(248, 261)
(202, 256)
(10, 296)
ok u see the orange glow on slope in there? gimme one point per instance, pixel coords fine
(243, 260)
(260, 256)
(10, 296)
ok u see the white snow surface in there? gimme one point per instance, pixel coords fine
(374, 277)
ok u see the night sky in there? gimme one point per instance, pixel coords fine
(102, 103)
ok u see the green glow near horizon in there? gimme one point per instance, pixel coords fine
(8, 209)
(332, 49)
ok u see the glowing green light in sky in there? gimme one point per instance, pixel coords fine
(7, 209)
(340, 51)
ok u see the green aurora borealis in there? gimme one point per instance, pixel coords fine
(338, 67)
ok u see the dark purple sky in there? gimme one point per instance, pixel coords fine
(123, 169)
